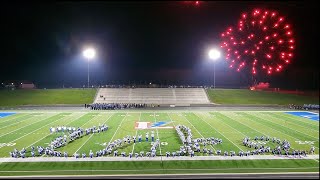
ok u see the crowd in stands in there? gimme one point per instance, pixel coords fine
(113, 106)
(304, 107)
(311, 106)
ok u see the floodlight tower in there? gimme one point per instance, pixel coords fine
(89, 54)
(214, 55)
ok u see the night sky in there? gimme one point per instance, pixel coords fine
(139, 42)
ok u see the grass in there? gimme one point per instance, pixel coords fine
(81, 96)
(11, 98)
(32, 129)
(156, 167)
(244, 96)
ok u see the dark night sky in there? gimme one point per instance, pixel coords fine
(141, 41)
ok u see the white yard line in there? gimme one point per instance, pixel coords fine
(227, 125)
(145, 111)
(92, 134)
(154, 115)
(306, 127)
(197, 131)
(18, 121)
(287, 127)
(300, 120)
(82, 124)
(279, 131)
(118, 127)
(67, 117)
(265, 126)
(136, 135)
(219, 132)
(28, 124)
(16, 118)
(158, 158)
(33, 131)
(300, 125)
(248, 126)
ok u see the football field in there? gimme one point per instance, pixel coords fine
(32, 128)
(23, 130)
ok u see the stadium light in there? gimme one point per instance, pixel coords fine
(214, 55)
(89, 54)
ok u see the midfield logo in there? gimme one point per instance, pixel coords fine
(152, 125)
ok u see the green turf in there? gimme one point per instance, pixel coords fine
(244, 96)
(157, 167)
(46, 97)
(32, 129)
(11, 98)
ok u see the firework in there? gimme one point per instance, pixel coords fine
(261, 42)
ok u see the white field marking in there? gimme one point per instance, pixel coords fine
(175, 126)
(66, 118)
(14, 117)
(18, 121)
(198, 131)
(288, 127)
(136, 135)
(34, 130)
(252, 128)
(91, 135)
(137, 170)
(268, 127)
(247, 126)
(102, 170)
(296, 124)
(286, 175)
(300, 120)
(142, 111)
(28, 125)
(154, 116)
(279, 131)
(81, 125)
(118, 127)
(228, 125)
(218, 131)
(158, 158)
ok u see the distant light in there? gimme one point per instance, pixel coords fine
(89, 53)
(150, 83)
(12, 83)
(214, 54)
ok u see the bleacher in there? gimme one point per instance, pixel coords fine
(161, 96)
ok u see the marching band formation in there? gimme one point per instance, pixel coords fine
(190, 146)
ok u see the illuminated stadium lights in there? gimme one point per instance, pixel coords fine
(214, 54)
(89, 54)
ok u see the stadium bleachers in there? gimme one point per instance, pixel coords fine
(170, 96)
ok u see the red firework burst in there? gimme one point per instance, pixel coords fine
(261, 41)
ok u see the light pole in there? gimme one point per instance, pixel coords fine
(89, 54)
(214, 55)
